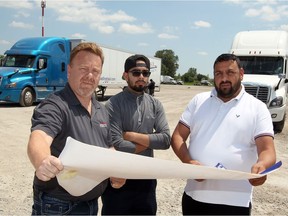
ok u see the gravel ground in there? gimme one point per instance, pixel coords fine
(17, 172)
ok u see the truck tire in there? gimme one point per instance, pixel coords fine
(278, 126)
(27, 97)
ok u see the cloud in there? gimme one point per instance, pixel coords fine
(167, 36)
(26, 4)
(171, 29)
(267, 13)
(22, 14)
(105, 29)
(4, 42)
(143, 44)
(86, 12)
(15, 24)
(78, 35)
(135, 29)
(284, 27)
(202, 24)
(202, 53)
(267, 10)
(81, 11)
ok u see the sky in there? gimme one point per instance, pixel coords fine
(196, 31)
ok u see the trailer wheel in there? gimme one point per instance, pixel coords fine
(27, 97)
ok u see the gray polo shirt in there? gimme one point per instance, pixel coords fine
(62, 115)
(138, 113)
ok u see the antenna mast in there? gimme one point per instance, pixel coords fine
(43, 5)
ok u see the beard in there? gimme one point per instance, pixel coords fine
(137, 87)
(227, 92)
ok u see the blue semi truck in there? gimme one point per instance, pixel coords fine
(33, 68)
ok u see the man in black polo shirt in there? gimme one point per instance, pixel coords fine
(73, 112)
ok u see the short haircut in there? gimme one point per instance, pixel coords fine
(228, 57)
(89, 47)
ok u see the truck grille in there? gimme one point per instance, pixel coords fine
(260, 92)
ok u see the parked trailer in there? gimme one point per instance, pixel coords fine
(264, 57)
(35, 67)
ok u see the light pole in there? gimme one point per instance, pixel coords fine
(43, 5)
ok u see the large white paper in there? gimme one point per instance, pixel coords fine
(85, 166)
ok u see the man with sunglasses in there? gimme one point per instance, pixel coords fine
(138, 126)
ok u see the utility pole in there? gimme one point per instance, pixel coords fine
(43, 5)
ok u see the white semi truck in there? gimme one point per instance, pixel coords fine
(264, 55)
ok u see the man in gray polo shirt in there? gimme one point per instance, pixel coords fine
(138, 125)
(73, 112)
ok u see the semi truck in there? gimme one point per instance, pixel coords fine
(263, 55)
(35, 67)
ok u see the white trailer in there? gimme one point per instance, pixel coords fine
(264, 55)
(113, 69)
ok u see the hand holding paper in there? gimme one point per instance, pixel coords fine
(85, 166)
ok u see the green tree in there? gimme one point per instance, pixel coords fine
(169, 62)
(202, 77)
(190, 75)
(178, 77)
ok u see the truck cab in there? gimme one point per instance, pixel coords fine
(263, 56)
(33, 68)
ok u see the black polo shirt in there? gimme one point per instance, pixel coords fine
(62, 115)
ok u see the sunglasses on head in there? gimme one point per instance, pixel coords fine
(137, 73)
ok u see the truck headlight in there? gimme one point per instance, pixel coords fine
(11, 85)
(277, 102)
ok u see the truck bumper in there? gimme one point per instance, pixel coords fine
(10, 96)
(277, 114)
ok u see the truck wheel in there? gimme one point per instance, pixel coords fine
(278, 126)
(27, 97)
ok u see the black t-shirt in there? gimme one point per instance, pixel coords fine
(151, 85)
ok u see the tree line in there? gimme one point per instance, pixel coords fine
(170, 65)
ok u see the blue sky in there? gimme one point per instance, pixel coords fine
(197, 31)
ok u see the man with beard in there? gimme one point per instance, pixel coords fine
(227, 128)
(138, 126)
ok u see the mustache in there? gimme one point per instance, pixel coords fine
(141, 81)
(225, 82)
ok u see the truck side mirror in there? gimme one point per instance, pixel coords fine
(41, 63)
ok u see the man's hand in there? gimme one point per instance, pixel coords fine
(117, 182)
(49, 168)
(258, 168)
(258, 181)
(141, 141)
(195, 162)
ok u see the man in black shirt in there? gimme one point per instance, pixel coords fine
(73, 112)
(151, 87)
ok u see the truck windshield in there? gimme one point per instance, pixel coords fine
(18, 61)
(262, 65)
